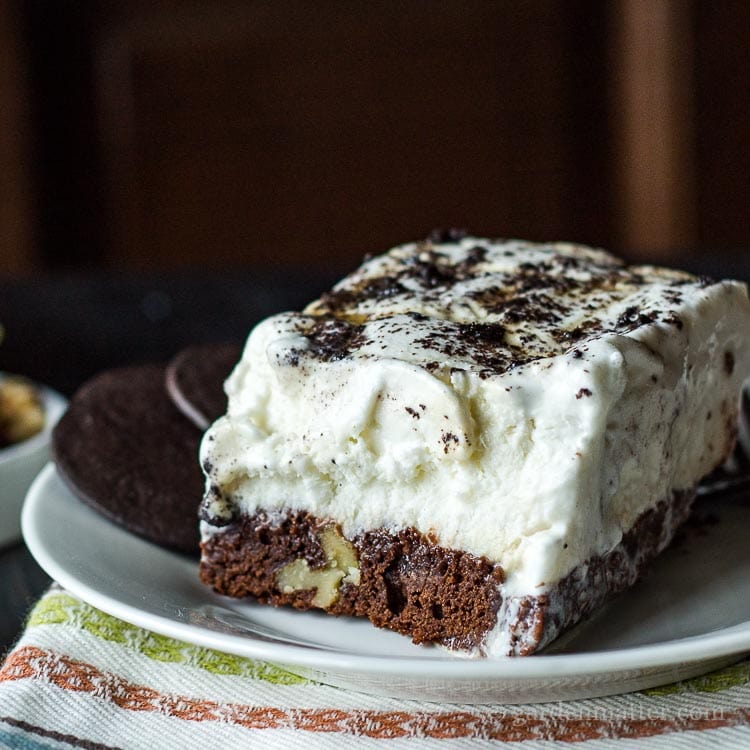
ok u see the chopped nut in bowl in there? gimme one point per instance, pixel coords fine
(28, 412)
(21, 410)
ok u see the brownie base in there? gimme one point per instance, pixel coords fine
(411, 584)
(407, 583)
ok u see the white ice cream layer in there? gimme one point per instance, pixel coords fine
(522, 402)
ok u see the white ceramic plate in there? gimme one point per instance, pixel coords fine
(20, 463)
(691, 615)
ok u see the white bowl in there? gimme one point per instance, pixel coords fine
(20, 463)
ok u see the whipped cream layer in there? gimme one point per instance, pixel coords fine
(524, 402)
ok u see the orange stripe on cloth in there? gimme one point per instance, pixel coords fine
(76, 676)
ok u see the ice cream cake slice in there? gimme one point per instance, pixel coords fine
(472, 442)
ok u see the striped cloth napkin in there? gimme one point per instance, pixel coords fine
(81, 678)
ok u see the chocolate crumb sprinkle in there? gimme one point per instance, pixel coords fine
(448, 438)
(443, 236)
(728, 362)
(454, 304)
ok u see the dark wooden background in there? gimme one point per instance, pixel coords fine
(142, 134)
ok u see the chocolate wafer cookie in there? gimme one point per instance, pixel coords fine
(125, 450)
(195, 380)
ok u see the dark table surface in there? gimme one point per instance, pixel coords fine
(61, 330)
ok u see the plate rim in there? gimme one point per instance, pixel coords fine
(725, 642)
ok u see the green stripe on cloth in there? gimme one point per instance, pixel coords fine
(714, 682)
(59, 608)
